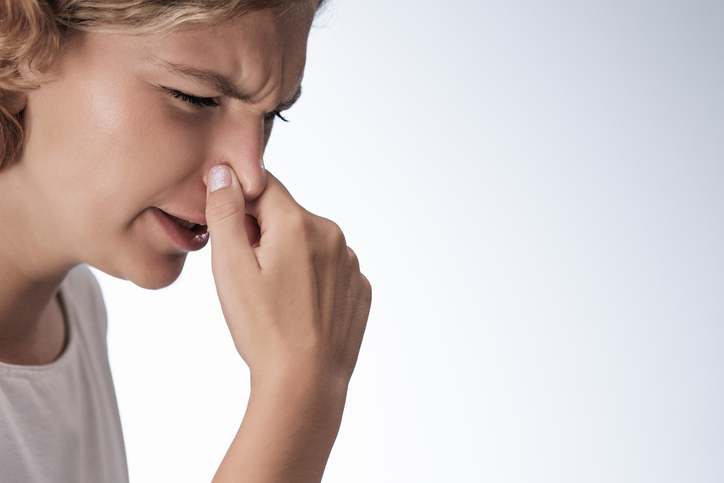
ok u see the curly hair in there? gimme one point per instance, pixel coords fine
(32, 33)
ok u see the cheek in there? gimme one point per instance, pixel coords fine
(114, 148)
(118, 138)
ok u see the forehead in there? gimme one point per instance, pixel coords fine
(260, 51)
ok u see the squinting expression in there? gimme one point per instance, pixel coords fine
(126, 126)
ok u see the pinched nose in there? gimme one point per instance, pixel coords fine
(241, 146)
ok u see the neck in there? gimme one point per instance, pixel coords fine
(30, 277)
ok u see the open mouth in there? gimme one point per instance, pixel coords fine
(185, 234)
(194, 227)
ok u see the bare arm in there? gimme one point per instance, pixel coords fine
(296, 305)
(287, 434)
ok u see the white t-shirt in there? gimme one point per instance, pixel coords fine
(59, 422)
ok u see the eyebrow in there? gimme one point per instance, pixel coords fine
(222, 85)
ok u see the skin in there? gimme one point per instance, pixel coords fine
(106, 142)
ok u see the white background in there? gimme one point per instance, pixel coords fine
(534, 189)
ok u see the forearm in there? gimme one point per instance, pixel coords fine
(287, 432)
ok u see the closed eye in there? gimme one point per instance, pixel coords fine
(195, 101)
(277, 113)
(199, 102)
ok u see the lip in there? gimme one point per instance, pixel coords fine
(187, 240)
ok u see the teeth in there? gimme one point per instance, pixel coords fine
(183, 223)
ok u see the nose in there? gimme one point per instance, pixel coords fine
(241, 146)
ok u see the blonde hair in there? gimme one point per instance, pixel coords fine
(32, 33)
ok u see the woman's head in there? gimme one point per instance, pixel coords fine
(32, 32)
(125, 106)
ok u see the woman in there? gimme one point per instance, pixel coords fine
(131, 133)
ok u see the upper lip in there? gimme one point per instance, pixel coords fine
(198, 219)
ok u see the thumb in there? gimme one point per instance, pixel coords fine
(226, 220)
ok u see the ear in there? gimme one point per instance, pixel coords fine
(14, 102)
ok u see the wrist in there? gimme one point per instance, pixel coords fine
(300, 386)
(300, 380)
(289, 428)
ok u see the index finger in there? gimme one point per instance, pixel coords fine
(274, 205)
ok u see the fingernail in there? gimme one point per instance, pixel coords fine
(219, 177)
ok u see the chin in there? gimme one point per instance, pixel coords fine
(162, 274)
(152, 274)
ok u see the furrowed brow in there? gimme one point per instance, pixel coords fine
(222, 85)
(212, 80)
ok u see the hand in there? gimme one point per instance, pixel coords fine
(292, 293)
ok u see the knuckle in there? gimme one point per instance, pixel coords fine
(323, 237)
(292, 222)
(366, 289)
(332, 234)
(366, 283)
(353, 258)
(295, 220)
(299, 227)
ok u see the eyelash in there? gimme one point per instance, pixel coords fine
(269, 116)
(194, 101)
(200, 102)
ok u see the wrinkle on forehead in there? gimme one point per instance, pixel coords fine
(262, 52)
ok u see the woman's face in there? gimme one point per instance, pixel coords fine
(126, 127)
